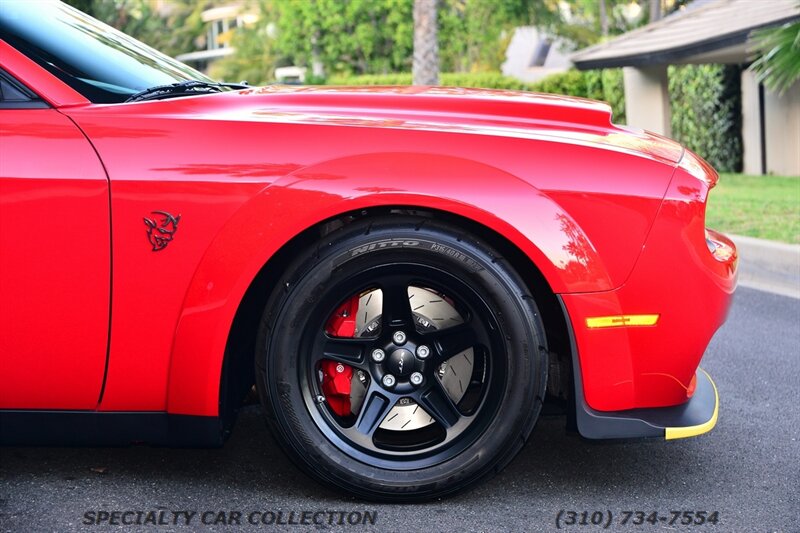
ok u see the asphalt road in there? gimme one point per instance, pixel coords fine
(747, 469)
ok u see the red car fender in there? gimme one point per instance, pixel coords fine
(235, 256)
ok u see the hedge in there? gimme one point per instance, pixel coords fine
(707, 112)
(603, 85)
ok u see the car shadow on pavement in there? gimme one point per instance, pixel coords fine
(251, 465)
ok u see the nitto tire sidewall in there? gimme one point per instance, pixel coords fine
(500, 287)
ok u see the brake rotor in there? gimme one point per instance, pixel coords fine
(432, 311)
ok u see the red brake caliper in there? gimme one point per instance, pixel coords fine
(336, 386)
(336, 376)
(343, 321)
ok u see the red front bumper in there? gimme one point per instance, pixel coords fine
(686, 276)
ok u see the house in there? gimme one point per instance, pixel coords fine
(708, 31)
(220, 22)
(532, 55)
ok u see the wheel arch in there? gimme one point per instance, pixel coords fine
(237, 375)
(542, 241)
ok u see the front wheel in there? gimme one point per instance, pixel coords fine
(401, 360)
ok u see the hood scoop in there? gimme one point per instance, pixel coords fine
(439, 104)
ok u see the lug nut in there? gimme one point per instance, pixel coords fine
(416, 379)
(388, 380)
(399, 337)
(378, 355)
(423, 351)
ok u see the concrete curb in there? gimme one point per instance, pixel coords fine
(769, 266)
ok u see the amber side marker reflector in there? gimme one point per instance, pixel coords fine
(616, 321)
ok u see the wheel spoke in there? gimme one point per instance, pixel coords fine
(449, 342)
(396, 307)
(348, 351)
(439, 405)
(374, 410)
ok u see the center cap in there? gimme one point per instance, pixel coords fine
(401, 362)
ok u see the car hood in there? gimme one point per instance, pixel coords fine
(478, 111)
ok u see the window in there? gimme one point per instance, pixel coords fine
(101, 63)
(540, 56)
(14, 95)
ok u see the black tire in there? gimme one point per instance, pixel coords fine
(464, 441)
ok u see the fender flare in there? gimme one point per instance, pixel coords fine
(487, 195)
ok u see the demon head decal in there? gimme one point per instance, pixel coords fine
(161, 229)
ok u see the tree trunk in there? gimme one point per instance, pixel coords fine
(655, 10)
(425, 69)
(317, 67)
(603, 18)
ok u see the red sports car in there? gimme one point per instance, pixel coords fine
(405, 274)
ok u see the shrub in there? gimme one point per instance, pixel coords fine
(604, 85)
(598, 85)
(706, 112)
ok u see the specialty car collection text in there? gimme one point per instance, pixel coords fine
(163, 517)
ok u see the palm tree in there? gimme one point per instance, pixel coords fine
(655, 10)
(603, 18)
(425, 69)
(778, 50)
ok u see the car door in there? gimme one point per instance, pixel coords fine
(54, 257)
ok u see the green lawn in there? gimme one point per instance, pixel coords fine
(767, 207)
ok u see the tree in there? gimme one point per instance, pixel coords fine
(655, 10)
(582, 23)
(474, 34)
(603, 18)
(256, 55)
(778, 50)
(353, 37)
(425, 69)
(377, 36)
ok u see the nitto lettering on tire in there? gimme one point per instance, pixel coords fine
(439, 248)
(380, 245)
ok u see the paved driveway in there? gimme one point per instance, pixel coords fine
(747, 469)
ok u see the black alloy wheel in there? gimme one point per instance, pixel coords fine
(401, 360)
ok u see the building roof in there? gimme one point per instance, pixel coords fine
(712, 32)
